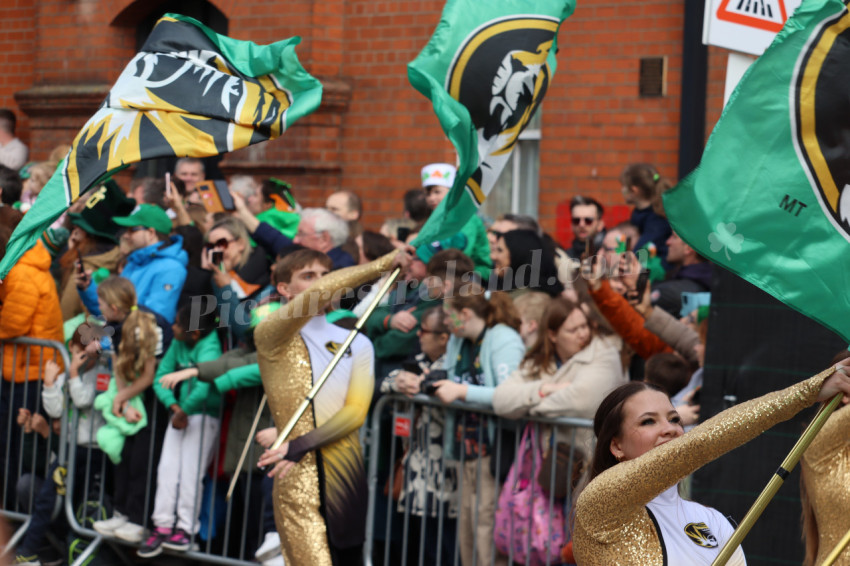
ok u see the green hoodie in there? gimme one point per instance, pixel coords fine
(195, 396)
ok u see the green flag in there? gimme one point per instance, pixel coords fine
(770, 200)
(485, 70)
(188, 92)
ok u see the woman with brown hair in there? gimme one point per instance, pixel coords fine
(630, 511)
(823, 487)
(483, 350)
(566, 373)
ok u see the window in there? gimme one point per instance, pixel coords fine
(518, 186)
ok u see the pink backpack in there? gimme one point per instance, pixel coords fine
(528, 528)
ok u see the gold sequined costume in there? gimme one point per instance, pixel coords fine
(303, 502)
(827, 471)
(612, 525)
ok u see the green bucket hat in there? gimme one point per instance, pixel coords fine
(149, 216)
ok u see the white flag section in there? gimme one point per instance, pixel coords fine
(748, 26)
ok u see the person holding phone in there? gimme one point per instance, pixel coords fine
(588, 225)
(92, 244)
(428, 480)
(691, 273)
(237, 271)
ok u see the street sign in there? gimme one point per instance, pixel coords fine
(748, 26)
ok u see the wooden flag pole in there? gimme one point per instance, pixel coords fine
(776, 481)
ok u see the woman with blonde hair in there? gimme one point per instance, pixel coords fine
(237, 270)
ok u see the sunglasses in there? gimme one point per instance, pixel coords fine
(583, 220)
(220, 243)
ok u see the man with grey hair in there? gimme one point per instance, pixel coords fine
(247, 187)
(13, 152)
(319, 229)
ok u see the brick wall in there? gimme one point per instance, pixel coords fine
(373, 131)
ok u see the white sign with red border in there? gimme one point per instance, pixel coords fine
(748, 26)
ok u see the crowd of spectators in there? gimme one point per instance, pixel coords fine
(150, 285)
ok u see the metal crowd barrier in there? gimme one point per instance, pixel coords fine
(398, 534)
(25, 454)
(228, 540)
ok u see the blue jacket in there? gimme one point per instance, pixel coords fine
(501, 353)
(274, 242)
(653, 228)
(157, 273)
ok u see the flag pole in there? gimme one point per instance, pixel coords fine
(776, 481)
(284, 434)
(245, 448)
(384, 289)
(839, 548)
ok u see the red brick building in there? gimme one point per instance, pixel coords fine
(373, 131)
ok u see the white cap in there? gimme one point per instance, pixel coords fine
(441, 174)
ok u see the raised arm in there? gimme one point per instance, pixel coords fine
(635, 483)
(274, 332)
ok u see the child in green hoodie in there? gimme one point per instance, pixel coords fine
(190, 438)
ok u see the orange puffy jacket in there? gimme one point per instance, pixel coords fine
(30, 307)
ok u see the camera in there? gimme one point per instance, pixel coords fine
(427, 386)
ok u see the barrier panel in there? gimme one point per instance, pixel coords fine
(436, 474)
(25, 455)
(219, 532)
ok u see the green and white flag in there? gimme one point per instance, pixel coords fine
(485, 70)
(189, 92)
(770, 200)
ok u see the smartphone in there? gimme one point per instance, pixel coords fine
(215, 196)
(589, 248)
(695, 397)
(412, 367)
(628, 243)
(80, 269)
(217, 258)
(640, 287)
(403, 233)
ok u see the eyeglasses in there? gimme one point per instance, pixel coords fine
(583, 220)
(423, 330)
(220, 243)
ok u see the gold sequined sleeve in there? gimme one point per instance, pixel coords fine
(614, 497)
(273, 332)
(834, 434)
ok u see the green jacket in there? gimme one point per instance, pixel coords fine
(392, 343)
(196, 397)
(110, 437)
(477, 246)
